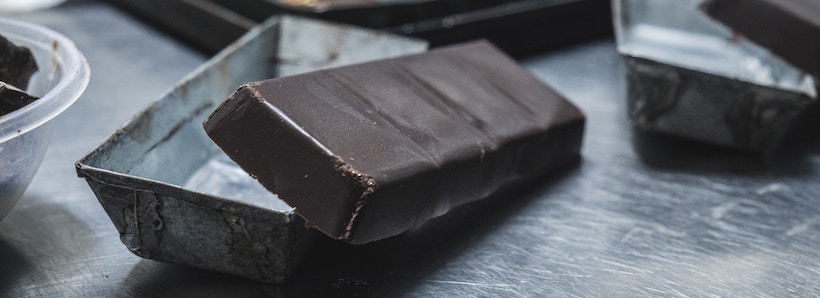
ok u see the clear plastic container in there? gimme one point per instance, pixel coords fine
(24, 134)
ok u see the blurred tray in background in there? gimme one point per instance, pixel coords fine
(519, 27)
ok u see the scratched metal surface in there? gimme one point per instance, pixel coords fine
(641, 215)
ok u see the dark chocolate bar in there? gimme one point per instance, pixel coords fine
(12, 98)
(789, 28)
(368, 151)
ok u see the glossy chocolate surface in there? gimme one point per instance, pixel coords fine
(368, 151)
(789, 28)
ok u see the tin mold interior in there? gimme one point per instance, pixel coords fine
(175, 197)
(676, 32)
(690, 76)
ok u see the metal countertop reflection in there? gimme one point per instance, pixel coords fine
(640, 215)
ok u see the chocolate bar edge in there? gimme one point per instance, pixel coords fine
(254, 111)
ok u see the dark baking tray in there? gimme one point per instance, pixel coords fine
(519, 27)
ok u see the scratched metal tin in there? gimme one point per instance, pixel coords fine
(175, 197)
(689, 76)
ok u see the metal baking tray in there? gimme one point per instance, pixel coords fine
(175, 197)
(519, 27)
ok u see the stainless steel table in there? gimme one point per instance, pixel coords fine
(641, 215)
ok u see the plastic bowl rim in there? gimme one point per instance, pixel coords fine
(75, 75)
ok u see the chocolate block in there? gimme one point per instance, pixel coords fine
(789, 28)
(16, 64)
(12, 98)
(368, 151)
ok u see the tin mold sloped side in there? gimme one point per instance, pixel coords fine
(307, 45)
(280, 46)
(169, 224)
(689, 39)
(249, 58)
(692, 104)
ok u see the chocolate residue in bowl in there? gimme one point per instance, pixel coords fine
(12, 98)
(16, 67)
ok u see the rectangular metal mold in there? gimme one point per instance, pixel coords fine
(691, 77)
(175, 197)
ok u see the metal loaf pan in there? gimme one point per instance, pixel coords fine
(175, 197)
(691, 77)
